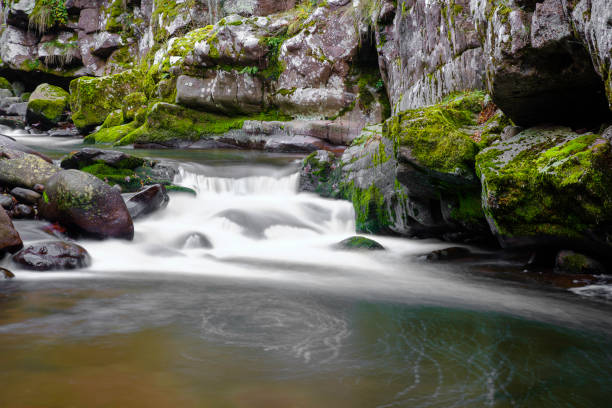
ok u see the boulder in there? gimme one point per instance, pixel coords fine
(10, 241)
(359, 243)
(7, 142)
(105, 43)
(549, 186)
(150, 199)
(86, 205)
(47, 105)
(52, 255)
(19, 169)
(5, 84)
(92, 99)
(570, 262)
(448, 254)
(193, 240)
(88, 156)
(132, 104)
(23, 211)
(25, 195)
(6, 201)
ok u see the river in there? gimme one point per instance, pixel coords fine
(273, 316)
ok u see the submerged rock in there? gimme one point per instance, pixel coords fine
(150, 199)
(86, 205)
(448, 254)
(10, 241)
(359, 243)
(52, 255)
(6, 273)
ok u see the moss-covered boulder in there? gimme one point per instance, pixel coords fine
(86, 205)
(549, 186)
(5, 84)
(92, 99)
(132, 104)
(47, 105)
(358, 243)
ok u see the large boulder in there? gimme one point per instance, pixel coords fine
(86, 205)
(52, 255)
(19, 169)
(88, 156)
(549, 186)
(92, 99)
(10, 241)
(47, 105)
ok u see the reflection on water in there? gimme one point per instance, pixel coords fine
(236, 298)
(191, 342)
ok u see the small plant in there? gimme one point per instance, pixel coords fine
(48, 13)
(250, 70)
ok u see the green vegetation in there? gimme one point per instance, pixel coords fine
(49, 102)
(48, 13)
(547, 182)
(359, 243)
(5, 84)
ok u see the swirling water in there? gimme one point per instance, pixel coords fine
(273, 316)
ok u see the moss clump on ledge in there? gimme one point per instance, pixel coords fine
(547, 182)
(440, 136)
(5, 84)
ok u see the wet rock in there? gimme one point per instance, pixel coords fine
(193, 240)
(52, 255)
(549, 186)
(23, 211)
(88, 156)
(17, 109)
(147, 201)
(105, 43)
(86, 205)
(7, 142)
(9, 237)
(23, 170)
(448, 254)
(6, 201)
(359, 243)
(316, 170)
(570, 262)
(46, 106)
(39, 188)
(6, 273)
(256, 7)
(26, 196)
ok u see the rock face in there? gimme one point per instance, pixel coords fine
(10, 241)
(87, 205)
(47, 105)
(549, 186)
(52, 255)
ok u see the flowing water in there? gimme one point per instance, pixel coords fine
(272, 316)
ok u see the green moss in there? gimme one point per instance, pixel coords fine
(115, 118)
(359, 243)
(439, 136)
(548, 182)
(5, 84)
(25, 97)
(166, 121)
(111, 134)
(49, 102)
(92, 99)
(132, 104)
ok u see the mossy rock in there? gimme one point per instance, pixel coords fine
(440, 137)
(359, 243)
(5, 84)
(111, 134)
(25, 97)
(47, 104)
(166, 121)
(131, 180)
(115, 118)
(548, 185)
(92, 99)
(132, 104)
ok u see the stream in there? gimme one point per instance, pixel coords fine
(273, 316)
